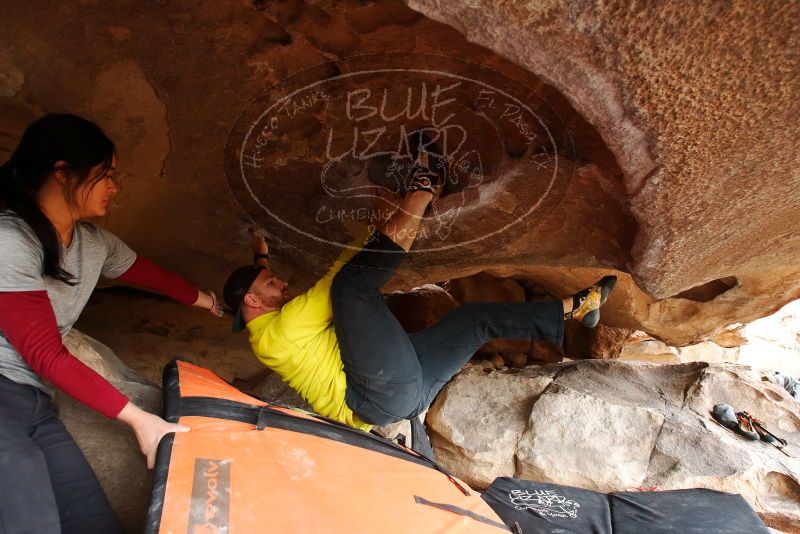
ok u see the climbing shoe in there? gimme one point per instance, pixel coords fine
(586, 303)
(749, 424)
(426, 170)
(425, 180)
(429, 162)
(745, 426)
(725, 415)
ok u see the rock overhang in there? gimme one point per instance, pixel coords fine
(639, 170)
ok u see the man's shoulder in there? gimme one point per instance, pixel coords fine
(262, 325)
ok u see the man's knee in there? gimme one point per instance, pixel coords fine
(345, 286)
(393, 402)
(356, 279)
(379, 418)
(471, 307)
(341, 279)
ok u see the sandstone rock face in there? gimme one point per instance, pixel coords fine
(771, 343)
(696, 129)
(673, 147)
(482, 446)
(110, 446)
(421, 307)
(655, 351)
(631, 430)
(613, 425)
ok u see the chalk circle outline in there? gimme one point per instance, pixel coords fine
(287, 98)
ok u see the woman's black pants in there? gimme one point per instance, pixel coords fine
(394, 375)
(46, 484)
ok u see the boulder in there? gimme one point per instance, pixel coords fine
(611, 425)
(110, 446)
(477, 421)
(600, 342)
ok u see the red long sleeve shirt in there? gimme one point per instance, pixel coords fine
(145, 273)
(28, 322)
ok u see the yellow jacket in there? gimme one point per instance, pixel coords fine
(299, 343)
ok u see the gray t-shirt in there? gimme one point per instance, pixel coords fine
(93, 252)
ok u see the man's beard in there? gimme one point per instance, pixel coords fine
(276, 302)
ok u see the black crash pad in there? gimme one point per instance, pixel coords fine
(542, 508)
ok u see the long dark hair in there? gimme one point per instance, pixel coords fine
(54, 137)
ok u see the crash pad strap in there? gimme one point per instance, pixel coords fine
(460, 511)
(264, 416)
(419, 438)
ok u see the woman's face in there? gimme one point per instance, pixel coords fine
(94, 195)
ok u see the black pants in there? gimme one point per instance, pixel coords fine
(46, 484)
(393, 375)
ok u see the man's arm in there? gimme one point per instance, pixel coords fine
(306, 314)
(258, 244)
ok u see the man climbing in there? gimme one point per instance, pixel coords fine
(340, 347)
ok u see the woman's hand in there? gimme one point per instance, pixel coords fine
(216, 307)
(148, 429)
(208, 300)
